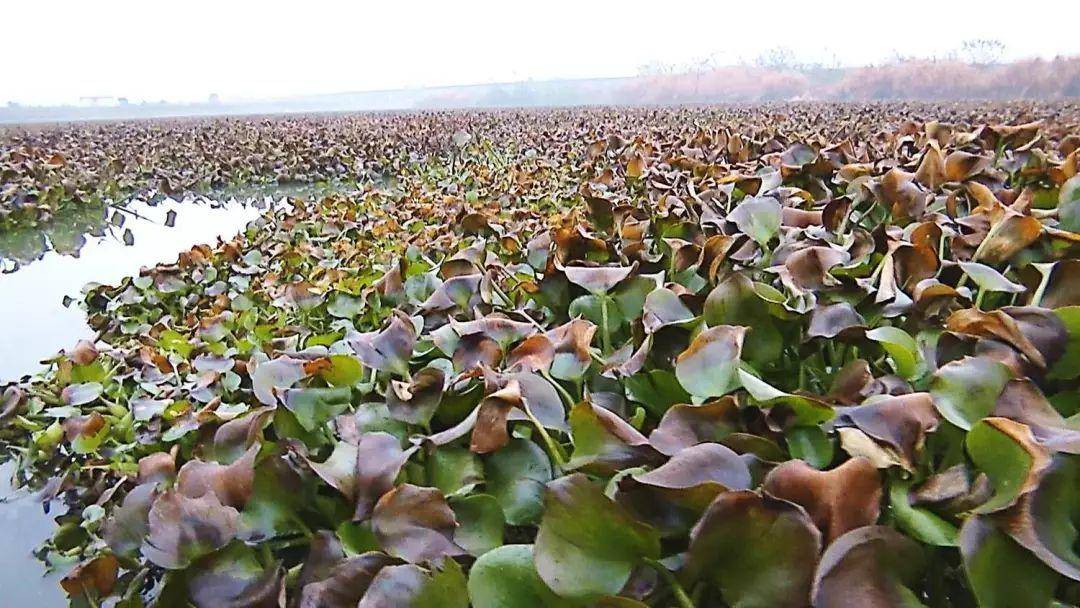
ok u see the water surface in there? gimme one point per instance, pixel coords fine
(45, 265)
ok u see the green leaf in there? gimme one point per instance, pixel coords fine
(1002, 574)
(990, 279)
(516, 475)
(919, 523)
(344, 306)
(505, 578)
(708, 367)
(759, 551)
(1006, 451)
(758, 218)
(967, 390)
(1068, 366)
(344, 370)
(901, 347)
(480, 523)
(314, 407)
(454, 470)
(807, 411)
(811, 444)
(587, 544)
(656, 389)
(1069, 204)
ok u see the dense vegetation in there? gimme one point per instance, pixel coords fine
(797, 355)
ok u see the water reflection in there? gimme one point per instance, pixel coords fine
(24, 525)
(63, 257)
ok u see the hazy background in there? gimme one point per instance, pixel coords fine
(108, 53)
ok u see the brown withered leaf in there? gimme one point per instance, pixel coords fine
(683, 426)
(379, 459)
(838, 500)
(901, 422)
(182, 529)
(96, 576)
(415, 524)
(232, 483)
(869, 567)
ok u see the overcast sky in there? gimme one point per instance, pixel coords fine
(56, 51)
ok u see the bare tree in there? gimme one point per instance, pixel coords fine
(982, 51)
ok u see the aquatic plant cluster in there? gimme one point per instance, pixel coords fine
(792, 355)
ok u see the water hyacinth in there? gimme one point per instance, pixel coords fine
(797, 355)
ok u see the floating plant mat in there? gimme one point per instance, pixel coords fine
(806, 355)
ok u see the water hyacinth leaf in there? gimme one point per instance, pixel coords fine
(873, 567)
(1002, 573)
(81, 394)
(454, 470)
(127, 526)
(989, 279)
(415, 402)
(810, 444)
(758, 217)
(344, 370)
(96, 577)
(388, 350)
(663, 308)
(376, 463)
(234, 577)
(344, 306)
(480, 523)
(591, 308)
(604, 443)
(1068, 366)
(276, 498)
(343, 584)
(921, 524)
(900, 422)
(597, 280)
(966, 391)
(708, 367)
(838, 500)
(727, 549)
(415, 524)
(1009, 455)
(182, 529)
(572, 342)
(686, 425)
(505, 578)
(409, 586)
(280, 373)
(805, 410)
(1069, 204)
(314, 407)
(1044, 521)
(694, 476)
(86, 433)
(656, 389)
(902, 349)
(587, 545)
(515, 476)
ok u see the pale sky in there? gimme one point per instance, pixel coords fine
(56, 51)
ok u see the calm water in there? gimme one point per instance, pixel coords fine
(58, 261)
(23, 526)
(39, 268)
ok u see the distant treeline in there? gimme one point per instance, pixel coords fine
(916, 79)
(913, 79)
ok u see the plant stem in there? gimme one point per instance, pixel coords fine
(567, 397)
(554, 449)
(681, 597)
(605, 332)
